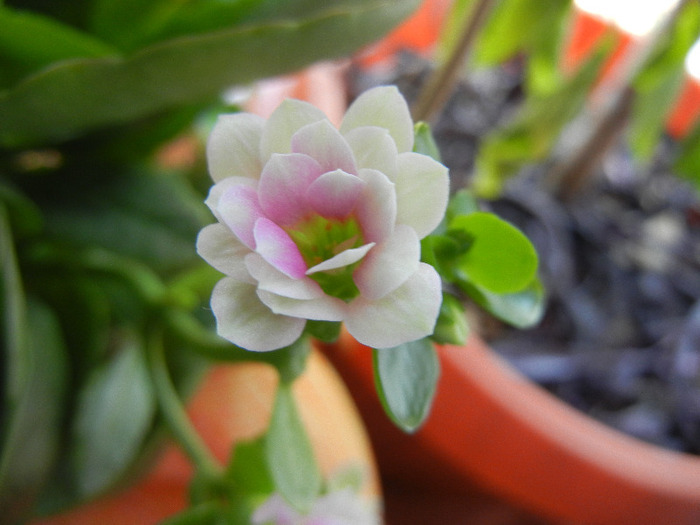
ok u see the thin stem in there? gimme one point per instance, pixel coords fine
(440, 84)
(174, 412)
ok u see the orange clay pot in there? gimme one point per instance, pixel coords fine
(234, 403)
(492, 425)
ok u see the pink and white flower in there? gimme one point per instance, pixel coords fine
(321, 223)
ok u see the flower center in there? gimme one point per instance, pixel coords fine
(320, 239)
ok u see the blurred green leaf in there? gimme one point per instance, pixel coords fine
(290, 458)
(522, 309)
(35, 375)
(501, 258)
(658, 84)
(425, 142)
(73, 97)
(406, 378)
(29, 42)
(248, 472)
(114, 413)
(24, 215)
(532, 134)
(452, 326)
(687, 162)
(207, 513)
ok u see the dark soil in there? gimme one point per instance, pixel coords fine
(620, 339)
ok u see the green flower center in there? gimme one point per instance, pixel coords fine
(320, 239)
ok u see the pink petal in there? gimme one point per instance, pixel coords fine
(283, 184)
(376, 208)
(245, 321)
(233, 148)
(221, 187)
(422, 192)
(389, 264)
(222, 250)
(344, 258)
(383, 107)
(272, 280)
(335, 194)
(373, 148)
(278, 248)
(324, 143)
(239, 210)
(406, 314)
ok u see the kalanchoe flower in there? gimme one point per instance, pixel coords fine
(321, 223)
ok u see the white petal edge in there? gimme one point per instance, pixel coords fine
(406, 314)
(344, 258)
(245, 321)
(389, 264)
(218, 189)
(325, 308)
(272, 280)
(323, 143)
(384, 107)
(376, 208)
(285, 121)
(422, 192)
(233, 147)
(374, 148)
(222, 250)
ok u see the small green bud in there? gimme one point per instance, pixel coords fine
(452, 326)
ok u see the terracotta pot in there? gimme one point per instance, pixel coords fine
(234, 403)
(492, 425)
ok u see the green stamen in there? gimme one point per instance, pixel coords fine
(319, 239)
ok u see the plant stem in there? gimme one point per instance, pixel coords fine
(440, 84)
(174, 412)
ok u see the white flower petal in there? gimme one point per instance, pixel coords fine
(335, 194)
(389, 264)
(422, 191)
(376, 208)
(239, 209)
(245, 321)
(222, 250)
(233, 147)
(344, 258)
(285, 121)
(383, 107)
(322, 142)
(324, 308)
(406, 314)
(272, 280)
(374, 148)
(283, 184)
(218, 189)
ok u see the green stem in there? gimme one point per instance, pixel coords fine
(174, 412)
(441, 82)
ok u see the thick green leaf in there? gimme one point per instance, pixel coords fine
(114, 414)
(290, 458)
(406, 378)
(31, 42)
(35, 369)
(501, 258)
(74, 97)
(687, 163)
(522, 309)
(248, 473)
(151, 218)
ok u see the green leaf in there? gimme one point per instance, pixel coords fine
(207, 513)
(452, 326)
(406, 378)
(33, 385)
(290, 458)
(114, 413)
(424, 142)
(501, 258)
(248, 473)
(31, 42)
(687, 163)
(522, 309)
(151, 218)
(326, 331)
(24, 216)
(73, 97)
